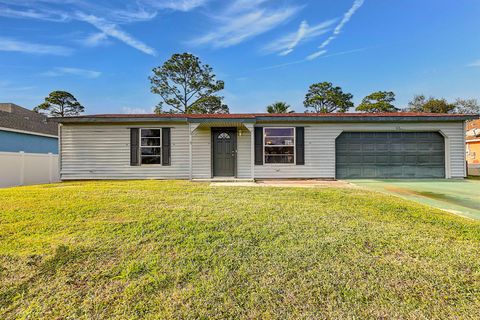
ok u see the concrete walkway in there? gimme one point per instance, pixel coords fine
(287, 183)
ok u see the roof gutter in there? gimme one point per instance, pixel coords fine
(367, 119)
(323, 119)
(117, 120)
(221, 120)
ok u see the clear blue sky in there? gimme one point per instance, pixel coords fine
(265, 50)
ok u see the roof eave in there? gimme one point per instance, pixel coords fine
(213, 120)
(117, 120)
(367, 119)
(140, 119)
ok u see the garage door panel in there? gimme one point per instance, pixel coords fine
(369, 172)
(410, 171)
(397, 160)
(393, 171)
(381, 160)
(411, 147)
(354, 172)
(390, 155)
(410, 159)
(368, 147)
(354, 147)
(380, 147)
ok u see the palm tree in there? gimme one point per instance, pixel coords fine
(279, 107)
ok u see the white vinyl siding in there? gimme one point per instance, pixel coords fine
(244, 159)
(103, 152)
(202, 153)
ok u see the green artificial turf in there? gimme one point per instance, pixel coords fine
(459, 196)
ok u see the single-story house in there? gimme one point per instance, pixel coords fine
(28, 147)
(473, 147)
(263, 146)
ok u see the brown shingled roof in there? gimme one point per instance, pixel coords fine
(15, 117)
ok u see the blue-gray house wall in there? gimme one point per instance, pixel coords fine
(29, 143)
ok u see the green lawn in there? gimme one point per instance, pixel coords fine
(151, 249)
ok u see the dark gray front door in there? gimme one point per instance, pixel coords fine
(224, 145)
(390, 155)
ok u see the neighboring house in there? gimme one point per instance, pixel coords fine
(24, 130)
(263, 146)
(28, 147)
(473, 147)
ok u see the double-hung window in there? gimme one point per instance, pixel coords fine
(279, 145)
(150, 146)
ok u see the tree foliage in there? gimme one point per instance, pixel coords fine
(60, 104)
(325, 98)
(467, 106)
(187, 86)
(380, 101)
(209, 105)
(431, 105)
(280, 107)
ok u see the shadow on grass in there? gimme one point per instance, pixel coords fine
(63, 255)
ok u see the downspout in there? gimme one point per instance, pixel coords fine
(252, 151)
(60, 151)
(190, 175)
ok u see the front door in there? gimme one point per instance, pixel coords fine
(224, 146)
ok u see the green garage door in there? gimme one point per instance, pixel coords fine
(390, 155)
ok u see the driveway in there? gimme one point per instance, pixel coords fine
(461, 197)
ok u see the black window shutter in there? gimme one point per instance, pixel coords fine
(259, 146)
(134, 147)
(300, 145)
(166, 146)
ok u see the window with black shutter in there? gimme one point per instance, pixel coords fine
(258, 146)
(166, 147)
(134, 147)
(300, 145)
(150, 146)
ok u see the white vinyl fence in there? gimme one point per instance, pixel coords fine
(474, 169)
(20, 169)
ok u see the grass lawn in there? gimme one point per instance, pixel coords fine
(152, 249)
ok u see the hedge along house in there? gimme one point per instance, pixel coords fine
(263, 146)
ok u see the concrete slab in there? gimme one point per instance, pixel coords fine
(287, 184)
(461, 197)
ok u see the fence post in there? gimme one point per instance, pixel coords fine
(22, 168)
(50, 169)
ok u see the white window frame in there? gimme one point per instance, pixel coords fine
(294, 146)
(140, 147)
